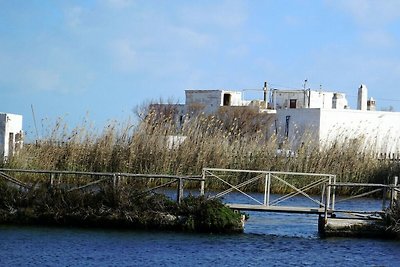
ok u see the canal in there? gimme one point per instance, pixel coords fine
(270, 239)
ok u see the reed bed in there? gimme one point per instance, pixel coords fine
(238, 139)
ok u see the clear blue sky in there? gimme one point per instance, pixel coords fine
(100, 59)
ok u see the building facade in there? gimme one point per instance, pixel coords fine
(11, 135)
(376, 132)
(293, 99)
(209, 101)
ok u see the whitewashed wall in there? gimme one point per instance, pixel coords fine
(303, 126)
(316, 99)
(236, 98)
(321, 99)
(377, 130)
(9, 123)
(281, 99)
(211, 100)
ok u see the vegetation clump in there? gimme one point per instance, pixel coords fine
(122, 208)
(392, 219)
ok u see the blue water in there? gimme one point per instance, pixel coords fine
(270, 239)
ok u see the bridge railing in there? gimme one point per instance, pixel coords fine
(245, 182)
(387, 192)
(79, 180)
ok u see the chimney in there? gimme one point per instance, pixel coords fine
(362, 97)
(371, 104)
(265, 89)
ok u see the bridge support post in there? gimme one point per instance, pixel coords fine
(393, 192)
(327, 198)
(202, 183)
(180, 191)
(333, 193)
(267, 189)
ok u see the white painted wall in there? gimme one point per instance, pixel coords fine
(303, 126)
(10, 124)
(307, 99)
(236, 98)
(281, 99)
(377, 130)
(212, 100)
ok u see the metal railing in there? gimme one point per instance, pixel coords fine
(383, 191)
(318, 182)
(56, 178)
(325, 185)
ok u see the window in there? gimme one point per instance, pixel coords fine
(293, 103)
(287, 126)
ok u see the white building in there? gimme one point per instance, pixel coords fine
(201, 101)
(282, 99)
(209, 101)
(11, 135)
(376, 131)
(310, 116)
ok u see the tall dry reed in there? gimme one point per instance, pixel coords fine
(237, 140)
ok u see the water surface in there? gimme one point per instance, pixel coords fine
(270, 239)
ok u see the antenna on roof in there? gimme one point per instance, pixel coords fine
(305, 84)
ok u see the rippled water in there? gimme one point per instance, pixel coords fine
(270, 239)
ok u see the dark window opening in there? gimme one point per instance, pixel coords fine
(227, 99)
(287, 126)
(293, 103)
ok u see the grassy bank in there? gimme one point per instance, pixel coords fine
(106, 207)
(230, 139)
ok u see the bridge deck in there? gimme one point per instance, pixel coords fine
(285, 209)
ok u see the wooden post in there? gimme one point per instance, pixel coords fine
(180, 190)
